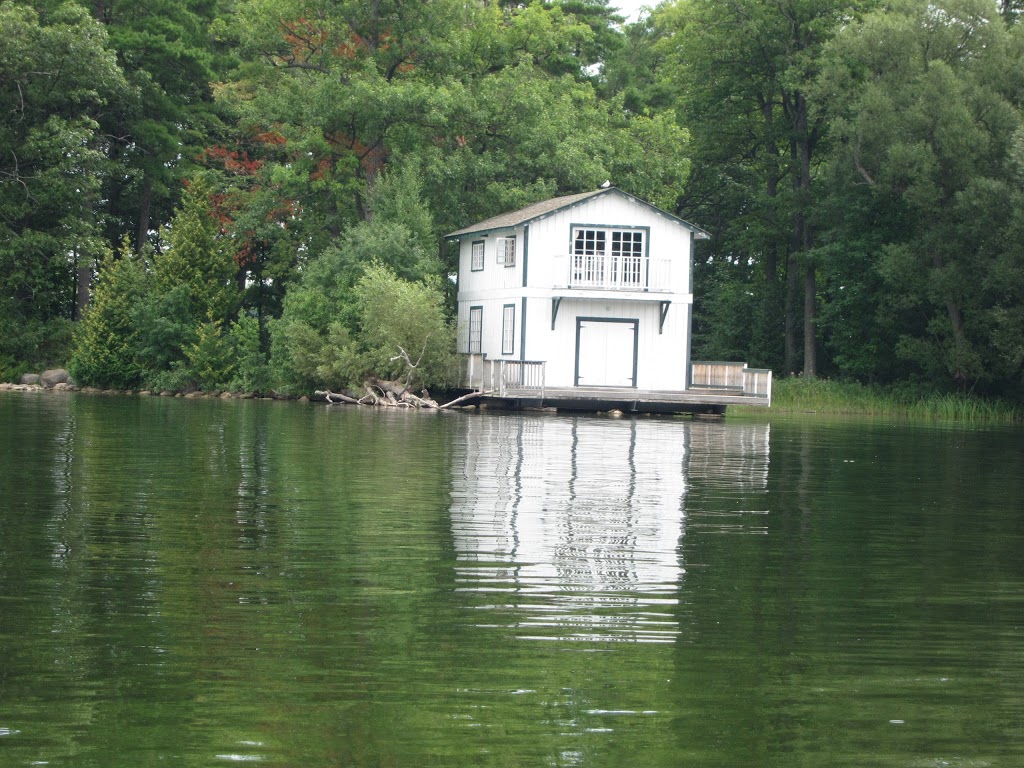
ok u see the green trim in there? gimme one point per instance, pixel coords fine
(556, 302)
(512, 351)
(689, 271)
(522, 331)
(469, 330)
(483, 260)
(688, 369)
(526, 251)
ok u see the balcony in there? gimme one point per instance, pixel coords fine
(613, 272)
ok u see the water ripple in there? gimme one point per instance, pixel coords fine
(578, 521)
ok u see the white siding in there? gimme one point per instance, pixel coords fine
(494, 276)
(542, 250)
(551, 237)
(661, 362)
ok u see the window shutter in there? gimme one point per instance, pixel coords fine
(506, 251)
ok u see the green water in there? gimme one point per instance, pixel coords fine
(197, 583)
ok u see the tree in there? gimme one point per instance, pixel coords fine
(199, 257)
(106, 345)
(170, 58)
(403, 329)
(925, 111)
(57, 79)
(320, 339)
(182, 321)
(744, 70)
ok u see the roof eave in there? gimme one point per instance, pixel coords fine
(698, 233)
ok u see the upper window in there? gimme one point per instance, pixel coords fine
(607, 258)
(477, 258)
(507, 251)
(590, 242)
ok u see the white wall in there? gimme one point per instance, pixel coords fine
(662, 356)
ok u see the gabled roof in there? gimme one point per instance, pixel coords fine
(547, 207)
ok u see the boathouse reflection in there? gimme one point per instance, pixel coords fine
(570, 527)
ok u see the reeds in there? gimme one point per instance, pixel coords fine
(798, 395)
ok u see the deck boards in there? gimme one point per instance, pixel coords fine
(624, 398)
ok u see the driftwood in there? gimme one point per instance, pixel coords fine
(335, 397)
(383, 393)
(463, 398)
(403, 355)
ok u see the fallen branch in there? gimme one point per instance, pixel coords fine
(333, 398)
(465, 397)
(379, 393)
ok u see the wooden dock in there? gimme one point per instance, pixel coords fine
(518, 384)
(627, 400)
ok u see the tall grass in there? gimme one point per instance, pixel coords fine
(797, 395)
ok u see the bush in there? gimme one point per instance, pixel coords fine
(209, 358)
(251, 371)
(106, 343)
(396, 315)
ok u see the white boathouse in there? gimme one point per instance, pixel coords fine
(585, 300)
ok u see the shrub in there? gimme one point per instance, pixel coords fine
(106, 345)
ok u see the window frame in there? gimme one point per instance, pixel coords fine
(476, 311)
(508, 329)
(475, 264)
(609, 256)
(506, 246)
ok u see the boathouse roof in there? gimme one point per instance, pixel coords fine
(547, 207)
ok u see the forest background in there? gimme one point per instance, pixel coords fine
(251, 194)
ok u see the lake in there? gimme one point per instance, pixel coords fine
(197, 583)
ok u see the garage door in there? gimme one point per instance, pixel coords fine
(606, 352)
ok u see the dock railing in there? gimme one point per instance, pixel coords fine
(736, 377)
(501, 377)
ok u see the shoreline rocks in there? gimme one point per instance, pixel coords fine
(33, 383)
(51, 378)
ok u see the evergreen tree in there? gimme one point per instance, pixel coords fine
(57, 79)
(106, 350)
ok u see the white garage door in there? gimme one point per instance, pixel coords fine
(606, 353)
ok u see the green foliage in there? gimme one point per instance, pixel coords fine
(734, 314)
(400, 231)
(799, 395)
(919, 97)
(210, 358)
(58, 77)
(106, 350)
(165, 322)
(399, 319)
(164, 325)
(196, 256)
(301, 340)
(170, 60)
(865, 161)
(251, 368)
(334, 335)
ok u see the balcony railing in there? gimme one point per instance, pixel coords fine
(614, 273)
